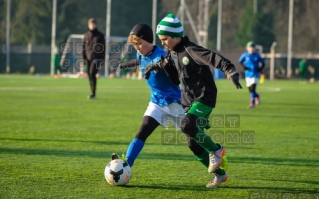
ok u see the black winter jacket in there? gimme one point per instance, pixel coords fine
(193, 64)
(93, 46)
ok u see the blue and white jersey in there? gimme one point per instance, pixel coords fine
(163, 91)
(251, 61)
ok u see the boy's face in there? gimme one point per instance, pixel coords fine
(142, 46)
(251, 49)
(168, 41)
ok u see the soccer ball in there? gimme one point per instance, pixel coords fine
(117, 172)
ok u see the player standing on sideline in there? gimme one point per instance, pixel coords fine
(165, 92)
(56, 63)
(93, 53)
(302, 69)
(199, 91)
(251, 60)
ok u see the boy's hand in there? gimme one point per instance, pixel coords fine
(234, 78)
(151, 67)
(161, 64)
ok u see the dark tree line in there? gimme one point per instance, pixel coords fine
(31, 21)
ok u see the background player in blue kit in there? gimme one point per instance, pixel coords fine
(253, 64)
(165, 92)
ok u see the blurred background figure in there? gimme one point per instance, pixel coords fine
(251, 61)
(302, 69)
(93, 53)
(56, 63)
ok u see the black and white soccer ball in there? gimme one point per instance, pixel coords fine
(117, 172)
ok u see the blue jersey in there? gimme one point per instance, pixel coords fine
(251, 62)
(163, 91)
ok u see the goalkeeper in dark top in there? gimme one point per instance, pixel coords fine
(199, 91)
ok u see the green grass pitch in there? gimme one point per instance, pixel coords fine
(55, 143)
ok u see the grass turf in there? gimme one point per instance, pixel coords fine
(55, 143)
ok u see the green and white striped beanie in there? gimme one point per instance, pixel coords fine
(170, 26)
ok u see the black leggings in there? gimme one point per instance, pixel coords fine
(190, 128)
(149, 124)
(92, 71)
(252, 88)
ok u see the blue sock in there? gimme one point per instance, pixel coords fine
(255, 94)
(252, 98)
(133, 150)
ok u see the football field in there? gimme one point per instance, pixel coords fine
(55, 143)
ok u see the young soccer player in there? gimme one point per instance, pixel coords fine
(165, 93)
(56, 63)
(199, 91)
(251, 61)
(302, 69)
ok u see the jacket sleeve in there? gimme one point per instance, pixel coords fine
(172, 72)
(170, 68)
(203, 56)
(84, 47)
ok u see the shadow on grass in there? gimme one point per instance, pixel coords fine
(262, 190)
(94, 154)
(62, 153)
(240, 160)
(71, 141)
(237, 147)
(295, 181)
(274, 161)
(164, 156)
(285, 104)
(168, 187)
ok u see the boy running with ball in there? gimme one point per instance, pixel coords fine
(165, 92)
(199, 91)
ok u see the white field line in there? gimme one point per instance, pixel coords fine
(268, 90)
(113, 89)
(77, 89)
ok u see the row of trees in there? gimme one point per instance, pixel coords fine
(31, 21)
